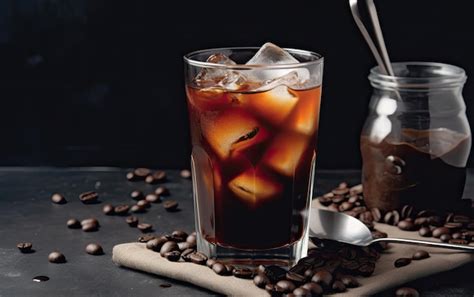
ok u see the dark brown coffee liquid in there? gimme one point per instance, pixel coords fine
(426, 169)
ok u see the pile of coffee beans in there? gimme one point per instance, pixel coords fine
(455, 228)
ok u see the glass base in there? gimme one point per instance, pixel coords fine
(286, 256)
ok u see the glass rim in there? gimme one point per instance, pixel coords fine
(447, 76)
(188, 58)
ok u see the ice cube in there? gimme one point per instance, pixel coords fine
(220, 78)
(274, 105)
(254, 186)
(231, 131)
(270, 54)
(305, 116)
(285, 152)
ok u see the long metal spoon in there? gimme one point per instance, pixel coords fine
(325, 224)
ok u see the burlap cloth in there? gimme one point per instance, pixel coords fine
(136, 256)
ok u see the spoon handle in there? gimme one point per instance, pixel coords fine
(426, 243)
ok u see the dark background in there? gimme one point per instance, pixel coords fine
(95, 82)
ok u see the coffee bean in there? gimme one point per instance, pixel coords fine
(440, 231)
(346, 206)
(179, 235)
(137, 209)
(388, 218)
(157, 177)
(366, 269)
(198, 258)
(93, 221)
(366, 217)
(141, 173)
(333, 207)
(407, 211)
(343, 185)
(356, 190)
(191, 239)
(376, 214)
(457, 235)
(461, 219)
(325, 201)
(185, 173)
(436, 221)
(94, 249)
(186, 253)
(132, 221)
(56, 257)
(146, 238)
(323, 278)
(445, 237)
(400, 262)
(153, 198)
(88, 197)
(165, 285)
(219, 268)
(260, 280)
(271, 289)
(406, 225)
(375, 235)
(162, 191)
(274, 273)
(155, 244)
(168, 246)
(338, 199)
(25, 247)
(89, 227)
(453, 225)
(349, 281)
(58, 198)
(340, 192)
(425, 231)
(297, 278)
(338, 286)
(210, 262)
(423, 221)
(185, 245)
(144, 227)
(108, 209)
(170, 205)
(131, 176)
(420, 255)
(173, 256)
(243, 273)
(301, 292)
(73, 224)
(143, 203)
(449, 217)
(425, 213)
(458, 241)
(314, 288)
(136, 195)
(286, 286)
(407, 292)
(122, 210)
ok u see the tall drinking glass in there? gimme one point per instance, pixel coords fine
(254, 131)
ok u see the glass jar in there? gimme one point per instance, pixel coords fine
(416, 139)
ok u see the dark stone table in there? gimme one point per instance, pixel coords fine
(26, 214)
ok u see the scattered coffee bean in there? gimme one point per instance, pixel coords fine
(173, 256)
(58, 198)
(407, 292)
(457, 235)
(132, 221)
(73, 224)
(168, 246)
(122, 210)
(143, 203)
(94, 249)
(153, 198)
(162, 191)
(165, 285)
(445, 237)
(40, 278)
(56, 257)
(170, 205)
(366, 269)
(88, 197)
(340, 192)
(185, 245)
(155, 244)
(325, 201)
(131, 176)
(191, 239)
(349, 281)
(376, 214)
(425, 231)
(137, 195)
(108, 209)
(25, 247)
(198, 258)
(137, 209)
(338, 286)
(436, 221)
(400, 262)
(297, 278)
(346, 206)
(423, 221)
(333, 207)
(219, 268)
(260, 280)
(458, 241)
(407, 211)
(406, 225)
(301, 292)
(425, 213)
(185, 173)
(157, 177)
(141, 173)
(243, 273)
(274, 273)
(144, 227)
(440, 231)
(210, 262)
(179, 235)
(271, 289)
(186, 253)
(146, 238)
(89, 227)
(453, 225)
(338, 199)
(323, 278)
(461, 219)
(286, 286)
(420, 255)
(314, 288)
